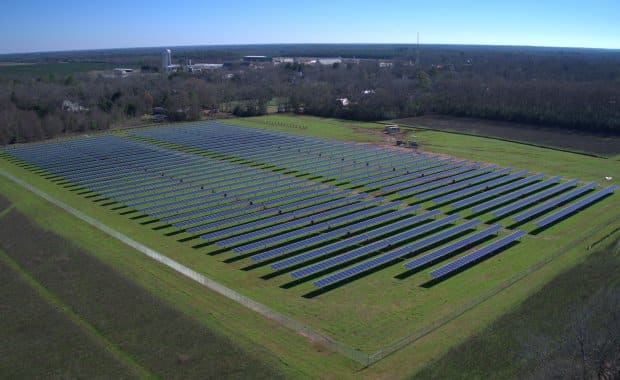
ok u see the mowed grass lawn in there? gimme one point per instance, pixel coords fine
(379, 309)
(317, 127)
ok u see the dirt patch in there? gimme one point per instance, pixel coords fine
(603, 145)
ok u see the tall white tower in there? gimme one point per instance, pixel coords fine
(166, 60)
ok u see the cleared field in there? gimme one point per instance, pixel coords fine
(153, 338)
(601, 145)
(38, 341)
(383, 306)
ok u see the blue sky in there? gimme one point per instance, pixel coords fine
(33, 25)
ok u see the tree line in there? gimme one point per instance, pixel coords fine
(576, 89)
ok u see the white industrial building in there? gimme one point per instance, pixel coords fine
(200, 67)
(166, 62)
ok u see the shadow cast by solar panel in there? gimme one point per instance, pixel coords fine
(110, 203)
(354, 260)
(435, 281)
(411, 272)
(538, 230)
(80, 190)
(199, 245)
(162, 227)
(142, 216)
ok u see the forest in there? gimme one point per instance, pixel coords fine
(47, 94)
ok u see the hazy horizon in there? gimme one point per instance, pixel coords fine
(305, 43)
(69, 26)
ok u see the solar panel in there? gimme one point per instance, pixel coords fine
(498, 190)
(575, 206)
(373, 247)
(476, 255)
(452, 248)
(392, 255)
(533, 198)
(330, 207)
(295, 219)
(445, 181)
(314, 228)
(472, 189)
(351, 241)
(514, 194)
(326, 236)
(462, 184)
(554, 202)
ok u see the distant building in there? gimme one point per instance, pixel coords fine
(69, 106)
(123, 72)
(256, 58)
(329, 61)
(166, 60)
(200, 67)
(279, 60)
(391, 129)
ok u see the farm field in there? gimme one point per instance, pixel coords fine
(607, 146)
(381, 202)
(129, 330)
(65, 351)
(55, 69)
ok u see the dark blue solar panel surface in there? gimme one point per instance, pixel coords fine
(514, 194)
(554, 202)
(476, 255)
(472, 189)
(389, 256)
(575, 206)
(351, 241)
(486, 194)
(372, 247)
(452, 247)
(537, 197)
(374, 221)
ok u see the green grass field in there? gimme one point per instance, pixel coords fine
(56, 69)
(380, 309)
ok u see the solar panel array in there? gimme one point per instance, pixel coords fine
(305, 205)
(486, 250)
